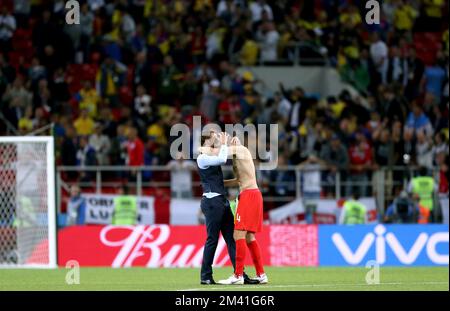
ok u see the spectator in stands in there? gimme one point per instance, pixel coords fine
(76, 207)
(7, 28)
(181, 176)
(118, 151)
(440, 146)
(16, 98)
(40, 119)
(157, 131)
(142, 71)
(88, 98)
(434, 77)
(360, 155)
(439, 120)
(108, 121)
(110, 77)
(268, 38)
(96, 4)
(42, 96)
(135, 149)
(383, 147)
(26, 121)
(22, 9)
(431, 19)
(3, 82)
(281, 178)
(442, 162)
(210, 100)
(355, 73)
(417, 121)
(101, 143)
(85, 156)
(232, 43)
(391, 106)
(294, 98)
(128, 25)
(138, 42)
(167, 82)
(87, 29)
(249, 52)
(69, 149)
(311, 182)
(404, 17)
(397, 67)
(8, 72)
(214, 37)
(416, 69)
(335, 155)
(379, 56)
(36, 71)
(84, 124)
(142, 107)
(424, 150)
(257, 8)
(403, 210)
(59, 90)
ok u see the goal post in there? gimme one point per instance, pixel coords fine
(27, 202)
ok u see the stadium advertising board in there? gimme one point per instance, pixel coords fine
(390, 245)
(178, 246)
(281, 245)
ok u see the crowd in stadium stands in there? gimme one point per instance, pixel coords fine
(114, 84)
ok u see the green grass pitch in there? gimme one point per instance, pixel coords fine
(286, 278)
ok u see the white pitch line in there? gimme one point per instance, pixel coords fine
(243, 287)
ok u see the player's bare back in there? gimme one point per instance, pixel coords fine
(243, 167)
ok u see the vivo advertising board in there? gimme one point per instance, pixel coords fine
(389, 245)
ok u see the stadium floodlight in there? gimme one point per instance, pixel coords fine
(27, 202)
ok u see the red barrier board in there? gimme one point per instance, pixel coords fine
(179, 246)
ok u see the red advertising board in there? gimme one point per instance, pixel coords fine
(178, 246)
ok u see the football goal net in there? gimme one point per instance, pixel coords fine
(27, 202)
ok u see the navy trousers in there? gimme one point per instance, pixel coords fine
(218, 218)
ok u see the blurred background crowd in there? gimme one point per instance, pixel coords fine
(112, 86)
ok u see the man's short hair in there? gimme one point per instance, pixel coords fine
(356, 193)
(203, 137)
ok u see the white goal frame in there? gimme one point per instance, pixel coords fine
(51, 205)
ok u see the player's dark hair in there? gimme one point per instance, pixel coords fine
(423, 171)
(356, 193)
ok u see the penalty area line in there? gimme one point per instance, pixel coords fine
(334, 285)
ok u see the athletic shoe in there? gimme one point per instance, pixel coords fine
(249, 281)
(232, 280)
(263, 279)
(207, 282)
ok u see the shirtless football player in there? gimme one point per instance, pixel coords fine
(249, 213)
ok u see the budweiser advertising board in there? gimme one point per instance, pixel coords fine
(178, 246)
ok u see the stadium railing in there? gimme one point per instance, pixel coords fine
(380, 183)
